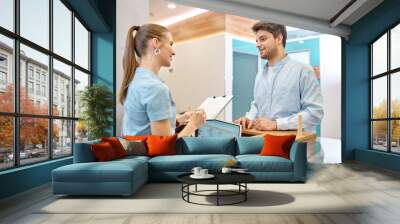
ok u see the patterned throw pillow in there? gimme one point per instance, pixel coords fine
(134, 147)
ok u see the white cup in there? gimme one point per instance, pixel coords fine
(196, 171)
(226, 170)
(203, 172)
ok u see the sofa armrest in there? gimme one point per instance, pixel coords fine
(298, 155)
(83, 152)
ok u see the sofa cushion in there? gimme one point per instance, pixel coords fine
(257, 163)
(209, 145)
(249, 145)
(132, 159)
(185, 163)
(83, 152)
(112, 171)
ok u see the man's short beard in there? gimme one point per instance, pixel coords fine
(272, 53)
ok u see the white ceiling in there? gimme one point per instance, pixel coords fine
(314, 15)
(319, 8)
(161, 14)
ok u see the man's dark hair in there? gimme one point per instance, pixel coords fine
(273, 28)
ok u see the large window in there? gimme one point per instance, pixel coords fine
(44, 64)
(385, 92)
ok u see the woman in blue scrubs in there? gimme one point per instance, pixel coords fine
(148, 105)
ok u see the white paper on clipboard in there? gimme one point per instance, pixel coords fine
(214, 105)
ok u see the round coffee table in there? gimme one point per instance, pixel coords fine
(238, 179)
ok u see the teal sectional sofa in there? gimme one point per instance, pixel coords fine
(125, 176)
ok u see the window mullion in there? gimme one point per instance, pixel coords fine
(389, 94)
(16, 84)
(73, 82)
(50, 81)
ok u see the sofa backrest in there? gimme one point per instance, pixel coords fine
(205, 145)
(249, 145)
(83, 152)
(253, 145)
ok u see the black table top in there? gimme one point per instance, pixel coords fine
(220, 178)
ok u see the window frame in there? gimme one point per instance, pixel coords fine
(16, 114)
(388, 74)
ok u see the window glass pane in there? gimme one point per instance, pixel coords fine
(379, 97)
(62, 89)
(395, 94)
(81, 45)
(81, 81)
(81, 131)
(33, 139)
(6, 74)
(379, 135)
(7, 14)
(62, 138)
(35, 21)
(62, 29)
(34, 97)
(379, 55)
(6, 142)
(395, 47)
(395, 138)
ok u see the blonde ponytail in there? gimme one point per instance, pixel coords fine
(129, 63)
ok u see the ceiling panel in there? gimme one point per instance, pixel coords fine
(321, 9)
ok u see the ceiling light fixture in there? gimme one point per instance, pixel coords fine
(171, 6)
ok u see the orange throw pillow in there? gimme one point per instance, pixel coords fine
(136, 137)
(103, 152)
(161, 145)
(275, 145)
(116, 145)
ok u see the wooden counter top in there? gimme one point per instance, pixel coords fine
(305, 137)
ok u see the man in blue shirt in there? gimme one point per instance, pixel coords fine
(284, 88)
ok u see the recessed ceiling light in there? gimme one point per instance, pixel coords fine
(171, 6)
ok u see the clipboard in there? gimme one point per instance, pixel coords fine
(214, 105)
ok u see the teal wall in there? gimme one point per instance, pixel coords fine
(24, 178)
(311, 45)
(355, 92)
(245, 67)
(103, 52)
(99, 15)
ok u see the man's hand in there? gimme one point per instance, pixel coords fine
(265, 124)
(245, 122)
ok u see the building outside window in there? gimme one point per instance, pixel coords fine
(30, 87)
(3, 61)
(3, 70)
(30, 72)
(43, 90)
(44, 77)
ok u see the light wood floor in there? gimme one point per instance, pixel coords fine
(378, 188)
